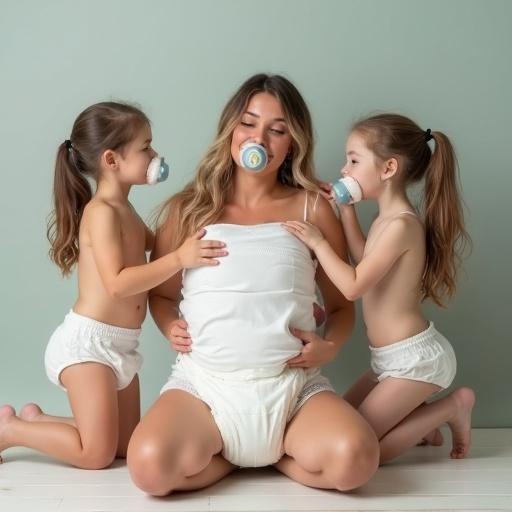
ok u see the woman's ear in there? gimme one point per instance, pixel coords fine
(390, 168)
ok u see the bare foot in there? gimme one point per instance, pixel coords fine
(7, 412)
(460, 425)
(31, 412)
(434, 438)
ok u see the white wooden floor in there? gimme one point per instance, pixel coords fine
(423, 479)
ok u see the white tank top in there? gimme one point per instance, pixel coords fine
(240, 311)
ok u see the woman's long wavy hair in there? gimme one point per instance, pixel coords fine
(103, 126)
(396, 136)
(202, 200)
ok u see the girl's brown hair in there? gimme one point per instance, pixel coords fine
(201, 202)
(396, 136)
(103, 126)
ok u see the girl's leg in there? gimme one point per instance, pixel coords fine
(454, 409)
(128, 400)
(406, 396)
(329, 445)
(129, 414)
(361, 389)
(176, 446)
(92, 443)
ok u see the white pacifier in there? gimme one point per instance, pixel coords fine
(347, 191)
(253, 157)
(158, 171)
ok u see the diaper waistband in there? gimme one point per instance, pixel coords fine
(244, 374)
(425, 336)
(90, 326)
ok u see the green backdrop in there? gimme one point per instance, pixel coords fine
(447, 64)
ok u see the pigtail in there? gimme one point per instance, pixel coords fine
(446, 236)
(71, 192)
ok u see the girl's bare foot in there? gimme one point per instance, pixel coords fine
(7, 412)
(31, 412)
(434, 438)
(460, 425)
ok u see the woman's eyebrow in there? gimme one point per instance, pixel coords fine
(281, 119)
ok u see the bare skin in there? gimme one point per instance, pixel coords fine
(389, 266)
(328, 444)
(114, 279)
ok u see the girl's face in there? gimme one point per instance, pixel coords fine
(362, 166)
(263, 123)
(133, 165)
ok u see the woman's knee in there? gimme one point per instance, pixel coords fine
(148, 464)
(159, 467)
(351, 461)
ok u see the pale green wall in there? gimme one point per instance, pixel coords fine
(445, 63)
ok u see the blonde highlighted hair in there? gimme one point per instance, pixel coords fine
(396, 136)
(202, 200)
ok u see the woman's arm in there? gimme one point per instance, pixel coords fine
(339, 311)
(164, 299)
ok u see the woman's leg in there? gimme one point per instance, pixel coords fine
(129, 414)
(329, 445)
(91, 444)
(176, 446)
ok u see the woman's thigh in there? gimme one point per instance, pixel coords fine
(327, 426)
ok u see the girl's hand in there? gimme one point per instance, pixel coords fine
(306, 232)
(326, 190)
(195, 252)
(179, 336)
(316, 351)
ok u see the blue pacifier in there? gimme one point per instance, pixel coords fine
(347, 191)
(253, 157)
(158, 171)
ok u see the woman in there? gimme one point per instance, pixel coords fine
(249, 393)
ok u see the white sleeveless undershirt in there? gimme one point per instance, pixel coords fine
(240, 311)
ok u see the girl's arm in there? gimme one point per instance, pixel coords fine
(355, 237)
(121, 281)
(355, 282)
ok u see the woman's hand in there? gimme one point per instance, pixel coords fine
(179, 336)
(316, 351)
(306, 232)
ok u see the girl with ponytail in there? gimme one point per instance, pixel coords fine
(93, 354)
(403, 260)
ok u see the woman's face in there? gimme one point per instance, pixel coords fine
(263, 123)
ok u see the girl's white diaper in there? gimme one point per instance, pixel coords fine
(426, 357)
(80, 339)
(251, 407)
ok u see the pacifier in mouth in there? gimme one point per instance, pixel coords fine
(347, 191)
(158, 171)
(253, 157)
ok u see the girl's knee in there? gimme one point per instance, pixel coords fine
(97, 457)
